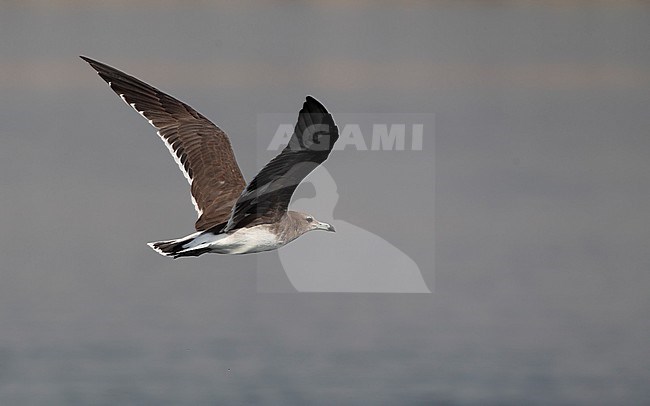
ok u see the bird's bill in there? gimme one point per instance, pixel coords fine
(325, 226)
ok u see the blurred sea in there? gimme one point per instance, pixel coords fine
(541, 222)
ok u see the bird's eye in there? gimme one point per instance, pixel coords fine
(309, 219)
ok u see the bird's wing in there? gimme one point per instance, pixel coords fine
(200, 148)
(267, 196)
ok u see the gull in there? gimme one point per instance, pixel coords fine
(233, 217)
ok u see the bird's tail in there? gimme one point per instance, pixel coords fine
(190, 246)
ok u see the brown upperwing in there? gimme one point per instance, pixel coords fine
(201, 149)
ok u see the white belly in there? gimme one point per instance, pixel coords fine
(246, 240)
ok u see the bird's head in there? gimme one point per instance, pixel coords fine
(312, 224)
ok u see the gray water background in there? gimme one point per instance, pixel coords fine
(542, 214)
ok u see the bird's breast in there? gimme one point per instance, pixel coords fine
(248, 240)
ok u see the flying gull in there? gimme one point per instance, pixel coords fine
(234, 217)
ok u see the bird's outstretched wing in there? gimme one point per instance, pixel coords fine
(267, 196)
(200, 148)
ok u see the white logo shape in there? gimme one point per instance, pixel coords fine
(352, 260)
